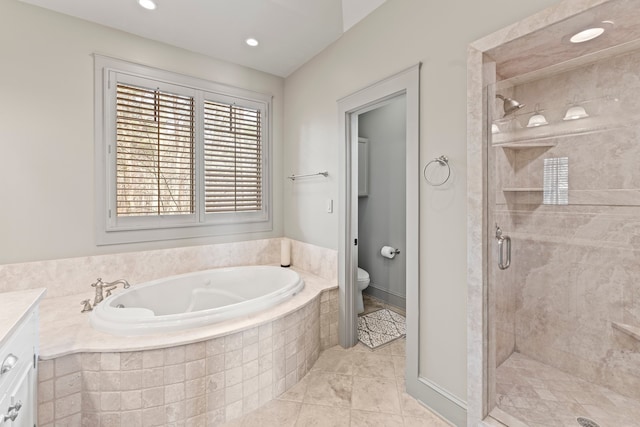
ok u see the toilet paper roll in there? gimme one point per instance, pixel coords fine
(388, 252)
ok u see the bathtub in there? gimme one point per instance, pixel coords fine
(194, 299)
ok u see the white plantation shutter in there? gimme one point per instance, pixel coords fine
(178, 157)
(232, 158)
(155, 152)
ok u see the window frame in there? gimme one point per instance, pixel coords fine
(111, 229)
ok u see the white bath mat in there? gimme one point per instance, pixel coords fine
(381, 327)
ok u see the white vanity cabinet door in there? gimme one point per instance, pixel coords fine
(18, 381)
(18, 405)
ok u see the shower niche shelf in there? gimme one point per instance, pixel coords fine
(526, 145)
(522, 190)
(632, 331)
(517, 136)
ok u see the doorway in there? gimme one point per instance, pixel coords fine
(381, 214)
(406, 86)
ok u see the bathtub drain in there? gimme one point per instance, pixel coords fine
(586, 422)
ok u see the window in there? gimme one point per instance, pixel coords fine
(178, 157)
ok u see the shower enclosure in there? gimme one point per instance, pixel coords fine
(562, 225)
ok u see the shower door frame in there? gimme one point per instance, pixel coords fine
(481, 74)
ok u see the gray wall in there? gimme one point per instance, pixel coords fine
(381, 215)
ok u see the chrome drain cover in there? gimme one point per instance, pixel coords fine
(586, 422)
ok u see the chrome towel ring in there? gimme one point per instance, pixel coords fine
(442, 161)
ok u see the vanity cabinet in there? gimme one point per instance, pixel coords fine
(18, 365)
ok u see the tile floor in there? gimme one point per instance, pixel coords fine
(540, 395)
(355, 387)
(373, 304)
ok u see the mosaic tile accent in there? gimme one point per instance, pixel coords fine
(540, 395)
(381, 327)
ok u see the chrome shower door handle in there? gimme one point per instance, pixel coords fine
(504, 244)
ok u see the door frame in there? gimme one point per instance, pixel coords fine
(407, 83)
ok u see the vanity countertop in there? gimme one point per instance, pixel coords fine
(14, 306)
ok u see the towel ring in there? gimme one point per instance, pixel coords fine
(442, 161)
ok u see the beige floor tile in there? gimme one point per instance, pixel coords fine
(373, 365)
(354, 387)
(376, 395)
(336, 360)
(539, 394)
(277, 413)
(322, 416)
(411, 407)
(326, 388)
(297, 392)
(398, 347)
(425, 422)
(399, 366)
(371, 304)
(375, 419)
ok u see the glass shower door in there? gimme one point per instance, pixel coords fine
(564, 186)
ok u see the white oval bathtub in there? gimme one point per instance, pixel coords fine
(194, 299)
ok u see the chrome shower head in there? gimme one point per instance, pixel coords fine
(510, 105)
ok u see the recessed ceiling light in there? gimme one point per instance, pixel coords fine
(586, 35)
(251, 42)
(147, 4)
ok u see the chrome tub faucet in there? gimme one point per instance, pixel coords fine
(101, 289)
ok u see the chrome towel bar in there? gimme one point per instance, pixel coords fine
(294, 177)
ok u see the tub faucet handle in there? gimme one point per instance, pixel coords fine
(109, 289)
(86, 306)
(99, 285)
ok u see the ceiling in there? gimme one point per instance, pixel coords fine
(290, 32)
(549, 48)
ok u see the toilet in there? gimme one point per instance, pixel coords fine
(363, 282)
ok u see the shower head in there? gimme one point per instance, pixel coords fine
(510, 105)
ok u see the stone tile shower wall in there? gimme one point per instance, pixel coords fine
(575, 268)
(200, 384)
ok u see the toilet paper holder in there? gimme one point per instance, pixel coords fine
(389, 252)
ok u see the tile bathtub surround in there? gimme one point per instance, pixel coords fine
(197, 384)
(70, 276)
(317, 260)
(65, 330)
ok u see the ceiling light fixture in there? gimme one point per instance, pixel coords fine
(586, 35)
(252, 42)
(147, 4)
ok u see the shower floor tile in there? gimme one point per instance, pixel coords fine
(540, 395)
